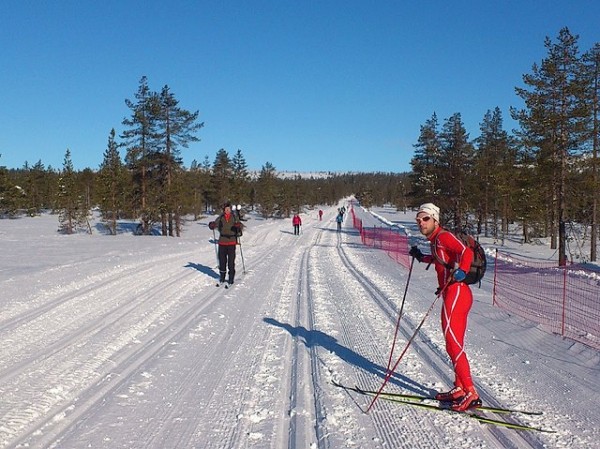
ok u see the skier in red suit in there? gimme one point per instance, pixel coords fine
(452, 260)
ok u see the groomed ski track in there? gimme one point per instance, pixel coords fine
(150, 354)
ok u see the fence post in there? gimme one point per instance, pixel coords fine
(564, 305)
(495, 274)
(362, 233)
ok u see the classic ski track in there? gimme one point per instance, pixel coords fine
(125, 303)
(287, 393)
(249, 421)
(298, 431)
(299, 380)
(112, 369)
(227, 427)
(358, 332)
(336, 422)
(435, 360)
(46, 301)
(317, 375)
(233, 428)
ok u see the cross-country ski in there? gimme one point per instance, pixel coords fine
(421, 398)
(430, 403)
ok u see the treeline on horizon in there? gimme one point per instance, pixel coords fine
(544, 175)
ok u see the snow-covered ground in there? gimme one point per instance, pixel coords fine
(125, 342)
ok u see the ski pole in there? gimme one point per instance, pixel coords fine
(412, 262)
(390, 372)
(242, 254)
(216, 250)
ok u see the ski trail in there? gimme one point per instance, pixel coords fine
(148, 353)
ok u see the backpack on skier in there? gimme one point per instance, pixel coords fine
(479, 262)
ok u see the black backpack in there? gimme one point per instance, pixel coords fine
(479, 263)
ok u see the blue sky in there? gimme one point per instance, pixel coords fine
(305, 85)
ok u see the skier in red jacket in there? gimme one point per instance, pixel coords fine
(296, 222)
(448, 251)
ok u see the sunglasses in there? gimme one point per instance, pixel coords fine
(426, 218)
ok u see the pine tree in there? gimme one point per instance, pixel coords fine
(111, 186)
(6, 203)
(494, 172)
(285, 195)
(241, 178)
(70, 202)
(426, 162)
(199, 182)
(553, 123)
(37, 184)
(456, 160)
(138, 139)
(221, 181)
(206, 185)
(591, 81)
(266, 190)
(176, 127)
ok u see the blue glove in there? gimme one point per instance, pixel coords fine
(459, 275)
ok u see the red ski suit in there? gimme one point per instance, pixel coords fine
(457, 296)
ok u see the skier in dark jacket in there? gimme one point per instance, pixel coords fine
(229, 227)
(339, 219)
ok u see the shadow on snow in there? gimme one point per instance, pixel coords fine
(210, 271)
(313, 338)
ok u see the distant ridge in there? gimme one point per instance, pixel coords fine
(283, 174)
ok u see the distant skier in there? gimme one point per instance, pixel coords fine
(448, 251)
(229, 227)
(339, 219)
(320, 215)
(296, 222)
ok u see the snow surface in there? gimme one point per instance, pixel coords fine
(125, 342)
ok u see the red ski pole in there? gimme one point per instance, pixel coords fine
(390, 372)
(412, 262)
